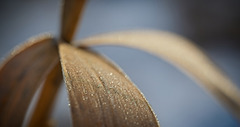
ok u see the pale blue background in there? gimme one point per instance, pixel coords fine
(177, 100)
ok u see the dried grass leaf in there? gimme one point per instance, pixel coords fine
(40, 117)
(20, 76)
(180, 52)
(70, 17)
(100, 94)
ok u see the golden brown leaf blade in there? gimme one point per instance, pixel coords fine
(20, 76)
(100, 94)
(70, 17)
(40, 117)
(181, 53)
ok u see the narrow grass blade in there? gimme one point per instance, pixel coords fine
(70, 17)
(40, 117)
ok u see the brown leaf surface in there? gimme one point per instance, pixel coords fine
(100, 94)
(179, 52)
(70, 17)
(40, 117)
(20, 76)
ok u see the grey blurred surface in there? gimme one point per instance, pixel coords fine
(177, 100)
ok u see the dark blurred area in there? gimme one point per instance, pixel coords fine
(212, 20)
(176, 99)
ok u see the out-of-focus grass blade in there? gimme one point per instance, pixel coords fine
(20, 76)
(180, 52)
(70, 17)
(100, 94)
(49, 91)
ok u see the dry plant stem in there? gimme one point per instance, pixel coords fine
(47, 97)
(70, 17)
(100, 94)
(20, 76)
(181, 53)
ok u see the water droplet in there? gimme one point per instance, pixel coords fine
(99, 85)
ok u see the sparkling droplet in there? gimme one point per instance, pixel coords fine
(99, 85)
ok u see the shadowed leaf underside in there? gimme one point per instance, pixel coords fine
(20, 76)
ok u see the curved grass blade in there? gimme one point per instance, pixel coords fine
(179, 52)
(20, 76)
(70, 17)
(49, 91)
(100, 94)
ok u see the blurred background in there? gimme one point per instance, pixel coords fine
(177, 100)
